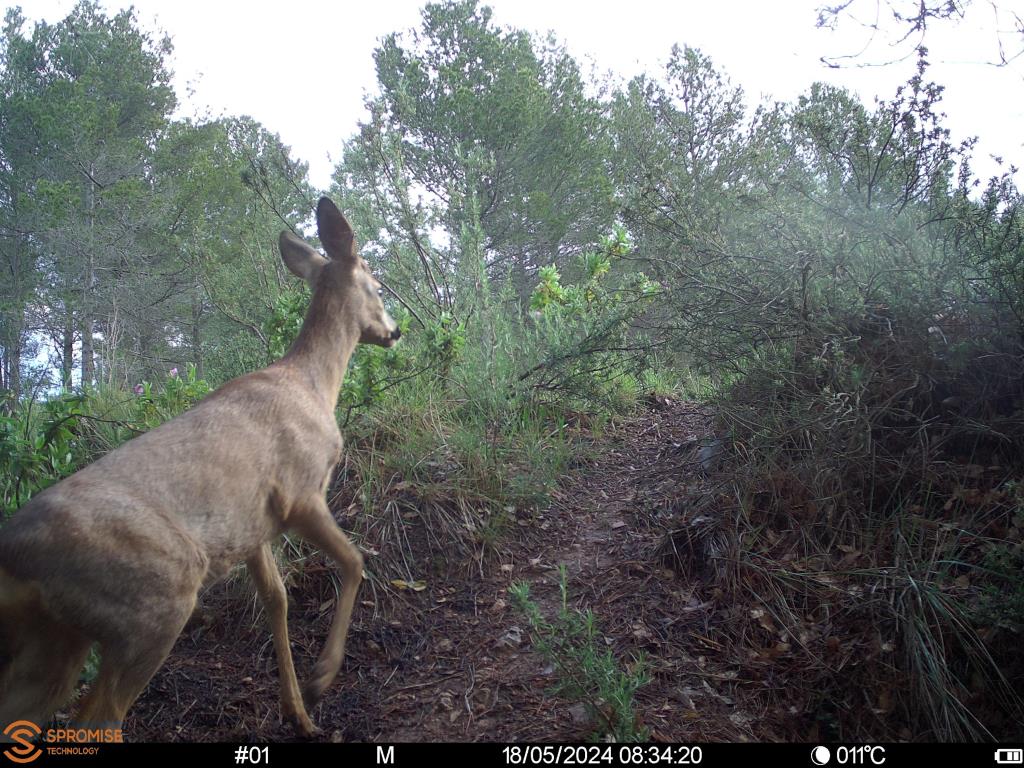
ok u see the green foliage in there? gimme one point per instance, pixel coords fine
(284, 322)
(594, 266)
(42, 443)
(853, 303)
(452, 423)
(92, 665)
(371, 372)
(38, 447)
(490, 121)
(85, 101)
(137, 242)
(155, 405)
(587, 671)
(445, 339)
(549, 292)
(586, 335)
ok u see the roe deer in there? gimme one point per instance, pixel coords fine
(117, 553)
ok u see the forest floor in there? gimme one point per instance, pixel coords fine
(454, 662)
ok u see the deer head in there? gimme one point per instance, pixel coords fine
(344, 274)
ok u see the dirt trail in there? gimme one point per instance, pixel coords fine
(454, 663)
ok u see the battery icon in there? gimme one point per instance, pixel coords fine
(1010, 756)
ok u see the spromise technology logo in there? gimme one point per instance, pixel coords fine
(22, 733)
(31, 741)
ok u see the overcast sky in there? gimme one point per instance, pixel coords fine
(302, 68)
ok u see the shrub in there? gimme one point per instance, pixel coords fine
(586, 672)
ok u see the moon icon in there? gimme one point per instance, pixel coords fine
(820, 755)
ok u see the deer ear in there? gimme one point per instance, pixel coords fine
(335, 232)
(300, 259)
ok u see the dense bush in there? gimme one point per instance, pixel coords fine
(853, 295)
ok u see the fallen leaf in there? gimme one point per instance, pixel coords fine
(415, 586)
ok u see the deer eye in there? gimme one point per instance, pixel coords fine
(380, 292)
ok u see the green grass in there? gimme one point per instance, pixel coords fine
(586, 671)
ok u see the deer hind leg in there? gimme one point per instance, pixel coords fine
(40, 662)
(271, 589)
(131, 652)
(125, 670)
(316, 525)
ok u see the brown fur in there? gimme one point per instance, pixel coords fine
(117, 553)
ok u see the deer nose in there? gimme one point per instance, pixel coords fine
(396, 334)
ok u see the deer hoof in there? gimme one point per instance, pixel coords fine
(303, 725)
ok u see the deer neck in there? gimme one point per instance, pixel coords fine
(326, 341)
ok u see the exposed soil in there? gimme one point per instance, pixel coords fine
(454, 662)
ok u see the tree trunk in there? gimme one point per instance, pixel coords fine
(88, 366)
(10, 377)
(197, 329)
(67, 362)
(89, 278)
(14, 368)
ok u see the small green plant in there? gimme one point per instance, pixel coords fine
(153, 406)
(586, 672)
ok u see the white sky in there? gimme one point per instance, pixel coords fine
(302, 67)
